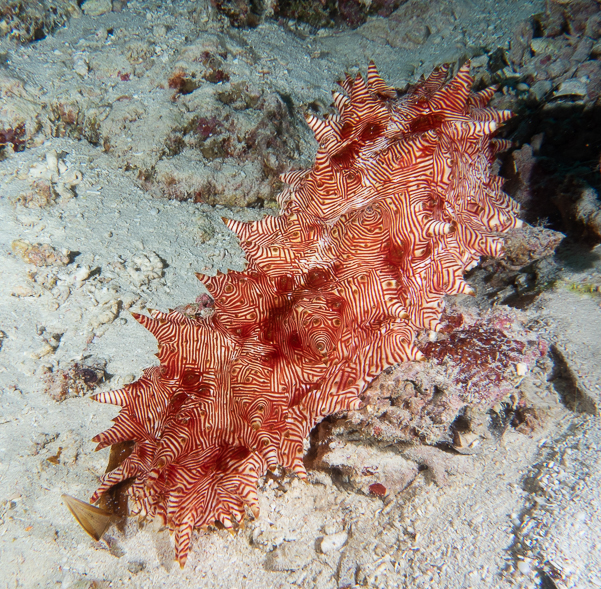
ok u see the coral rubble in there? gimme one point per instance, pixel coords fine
(474, 364)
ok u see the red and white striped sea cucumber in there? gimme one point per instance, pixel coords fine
(399, 203)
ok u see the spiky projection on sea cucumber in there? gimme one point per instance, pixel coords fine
(399, 203)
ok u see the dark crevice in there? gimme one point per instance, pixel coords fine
(554, 158)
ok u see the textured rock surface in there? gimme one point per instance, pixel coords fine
(31, 21)
(556, 535)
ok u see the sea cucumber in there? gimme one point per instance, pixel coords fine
(399, 203)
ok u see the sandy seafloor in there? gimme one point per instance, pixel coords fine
(131, 250)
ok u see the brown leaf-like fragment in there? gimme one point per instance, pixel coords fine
(92, 519)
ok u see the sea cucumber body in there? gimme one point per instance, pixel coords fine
(398, 204)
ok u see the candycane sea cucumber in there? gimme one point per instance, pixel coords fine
(399, 203)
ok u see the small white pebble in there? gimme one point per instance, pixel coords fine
(333, 542)
(81, 274)
(521, 368)
(80, 65)
(524, 567)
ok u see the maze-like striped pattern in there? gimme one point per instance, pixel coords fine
(399, 203)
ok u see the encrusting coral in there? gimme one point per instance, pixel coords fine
(399, 203)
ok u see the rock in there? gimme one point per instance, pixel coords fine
(333, 542)
(144, 267)
(580, 208)
(365, 467)
(572, 88)
(583, 50)
(39, 254)
(528, 244)
(543, 45)
(32, 21)
(596, 50)
(80, 64)
(96, 7)
(439, 463)
(135, 567)
(540, 89)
